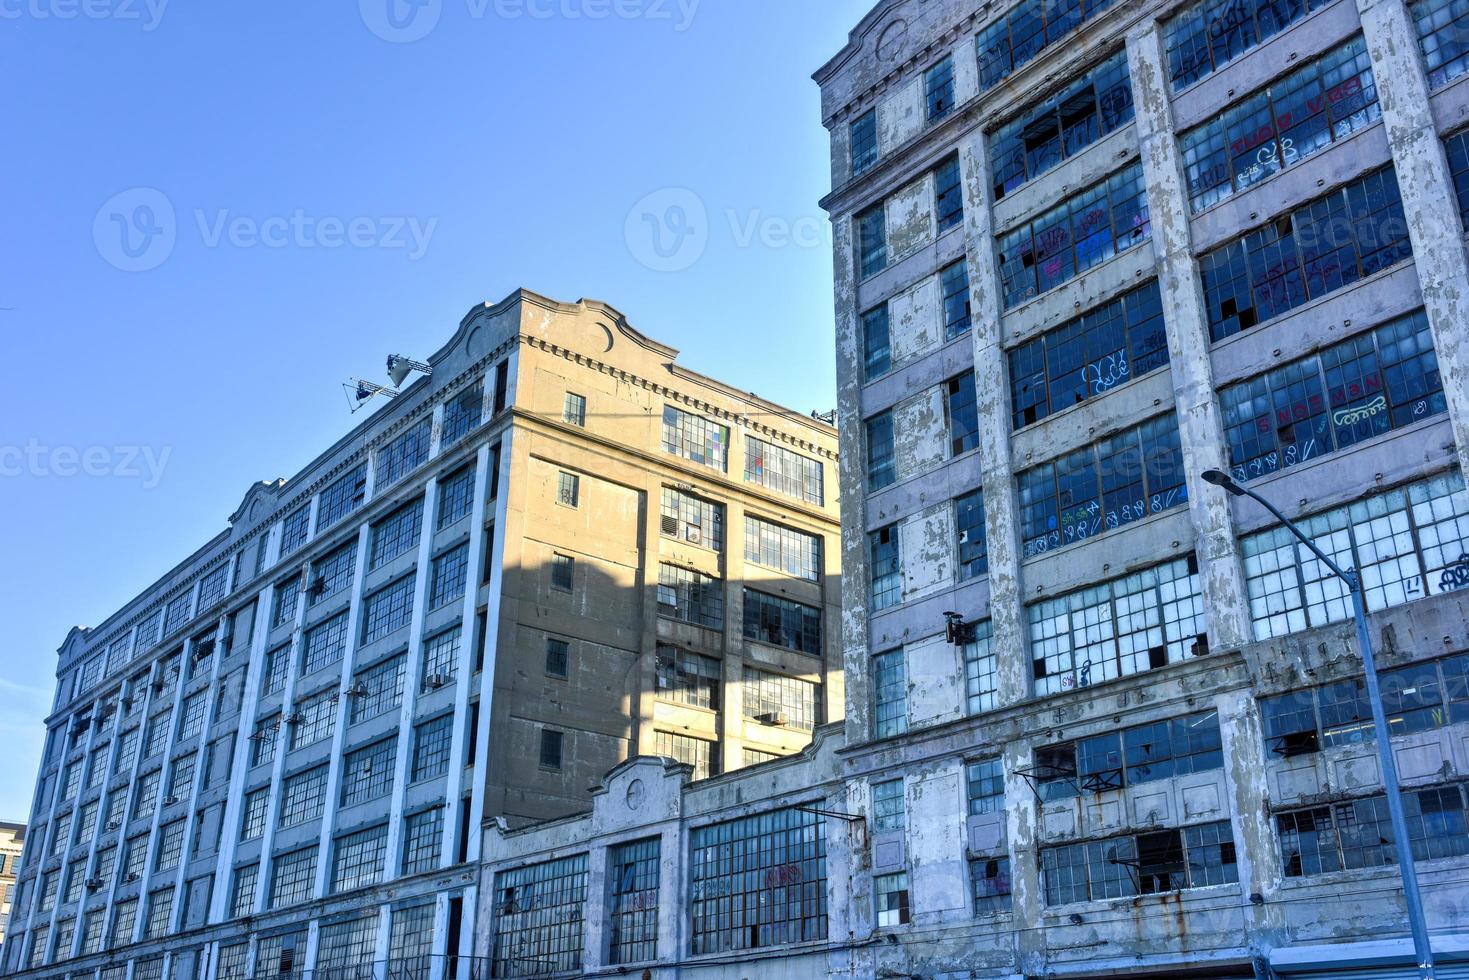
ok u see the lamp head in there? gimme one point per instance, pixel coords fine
(1221, 479)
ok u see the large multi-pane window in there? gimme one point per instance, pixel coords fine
(378, 690)
(1305, 254)
(150, 631)
(938, 90)
(540, 914)
(293, 877)
(462, 414)
(954, 289)
(700, 753)
(396, 534)
(346, 950)
(117, 650)
(1207, 35)
(632, 915)
(695, 438)
(1082, 231)
(687, 678)
(788, 550)
(986, 786)
(86, 825)
(1136, 755)
(889, 813)
(981, 669)
(282, 955)
(357, 860)
(263, 741)
(1088, 356)
(136, 860)
(315, 719)
(232, 960)
(294, 530)
(777, 468)
(1417, 698)
(324, 645)
(367, 774)
(877, 342)
(1147, 620)
(1011, 42)
(1359, 834)
(872, 240)
(886, 567)
(332, 574)
(388, 610)
(343, 497)
(782, 622)
(257, 806)
(948, 203)
(862, 141)
(690, 596)
(303, 797)
(972, 539)
(211, 590)
(890, 898)
(962, 409)
(1457, 149)
(757, 882)
(1124, 478)
(1443, 36)
(889, 694)
(432, 744)
(776, 699)
(286, 595)
(882, 459)
(456, 497)
(450, 574)
(1061, 126)
(124, 921)
(403, 455)
(1406, 544)
(1145, 864)
(1278, 126)
(277, 670)
(440, 659)
(160, 912)
(170, 845)
(423, 839)
(693, 519)
(1360, 388)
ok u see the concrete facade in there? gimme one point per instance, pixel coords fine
(558, 551)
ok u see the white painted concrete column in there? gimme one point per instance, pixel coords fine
(992, 388)
(852, 441)
(140, 926)
(1429, 202)
(1200, 422)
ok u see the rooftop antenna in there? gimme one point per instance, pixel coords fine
(360, 392)
(399, 367)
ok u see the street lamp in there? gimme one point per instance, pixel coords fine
(1404, 847)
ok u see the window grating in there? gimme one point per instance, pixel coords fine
(358, 859)
(782, 622)
(889, 694)
(780, 700)
(315, 719)
(403, 455)
(687, 678)
(440, 658)
(379, 690)
(695, 438)
(700, 753)
(784, 549)
(539, 913)
(343, 497)
(633, 913)
(423, 838)
(463, 414)
(333, 573)
(293, 877)
(450, 574)
(388, 610)
(690, 596)
(367, 774)
(456, 497)
(432, 745)
(777, 468)
(396, 534)
(303, 797)
(686, 517)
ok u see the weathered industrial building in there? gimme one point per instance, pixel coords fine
(1101, 719)
(558, 550)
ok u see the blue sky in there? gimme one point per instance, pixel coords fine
(216, 213)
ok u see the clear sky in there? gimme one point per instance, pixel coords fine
(214, 213)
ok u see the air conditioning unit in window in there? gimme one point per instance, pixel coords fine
(772, 718)
(172, 800)
(294, 718)
(130, 877)
(694, 535)
(435, 681)
(93, 884)
(114, 825)
(203, 648)
(317, 588)
(358, 690)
